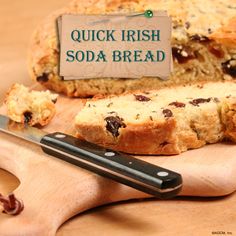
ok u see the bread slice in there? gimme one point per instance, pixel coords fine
(31, 107)
(166, 121)
(203, 45)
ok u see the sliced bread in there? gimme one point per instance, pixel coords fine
(166, 121)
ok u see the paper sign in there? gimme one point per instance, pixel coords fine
(114, 46)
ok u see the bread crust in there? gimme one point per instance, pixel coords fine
(226, 34)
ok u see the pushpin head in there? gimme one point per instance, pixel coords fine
(148, 14)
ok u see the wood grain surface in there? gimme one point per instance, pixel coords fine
(182, 216)
(54, 191)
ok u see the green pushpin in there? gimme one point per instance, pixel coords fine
(148, 14)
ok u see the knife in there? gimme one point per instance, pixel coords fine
(154, 180)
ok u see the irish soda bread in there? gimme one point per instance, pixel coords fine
(203, 45)
(165, 121)
(31, 107)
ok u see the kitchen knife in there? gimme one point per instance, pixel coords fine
(123, 168)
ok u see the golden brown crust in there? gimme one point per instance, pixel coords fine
(226, 34)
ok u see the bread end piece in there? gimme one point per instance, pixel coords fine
(31, 107)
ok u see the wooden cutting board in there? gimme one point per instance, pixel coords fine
(54, 191)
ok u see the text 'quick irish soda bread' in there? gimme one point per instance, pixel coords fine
(165, 121)
(203, 45)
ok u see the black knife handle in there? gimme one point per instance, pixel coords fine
(117, 166)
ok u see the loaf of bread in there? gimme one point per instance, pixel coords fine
(203, 45)
(166, 121)
(30, 107)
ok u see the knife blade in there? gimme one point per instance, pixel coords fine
(126, 169)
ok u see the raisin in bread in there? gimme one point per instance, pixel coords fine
(165, 121)
(203, 45)
(31, 107)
